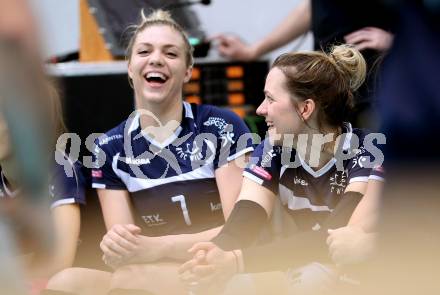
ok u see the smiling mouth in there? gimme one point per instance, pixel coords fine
(156, 78)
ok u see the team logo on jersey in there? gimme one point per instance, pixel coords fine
(260, 171)
(194, 153)
(227, 135)
(359, 151)
(359, 161)
(153, 220)
(226, 131)
(338, 182)
(220, 123)
(97, 173)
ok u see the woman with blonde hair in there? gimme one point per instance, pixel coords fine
(168, 179)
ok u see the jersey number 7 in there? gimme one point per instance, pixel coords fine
(181, 199)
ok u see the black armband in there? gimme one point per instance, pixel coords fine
(242, 227)
(343, 211)
(303, 247)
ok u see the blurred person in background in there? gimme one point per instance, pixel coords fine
(367, 26)
(30, 121)
(65, 195)
(409, 240)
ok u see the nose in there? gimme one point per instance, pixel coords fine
(156, 58)
(262, 109)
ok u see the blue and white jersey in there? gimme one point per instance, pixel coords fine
(308, 194)
(172, 184)
(67, 184)
(64, 187)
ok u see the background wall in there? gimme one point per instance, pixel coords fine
(250, 19)
(59, 24)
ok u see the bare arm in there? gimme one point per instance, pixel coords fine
(229, 180)
(356, 242)
(67, 223)
(66, 226)
(366, 213)
(116, 207)
(122, 237)
(309, 245)
(298, 22)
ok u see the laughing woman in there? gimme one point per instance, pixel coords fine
(169, 179)
(314, 161)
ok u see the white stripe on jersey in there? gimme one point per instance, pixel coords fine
(375, 177)
(135, 184)
(321, 171)
(240, 153)
(98, 185)
(63, 202)
(188, 110)
(253, 177)
(163, 144)
(297, 203)
(359, 178)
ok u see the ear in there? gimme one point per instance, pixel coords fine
(130, 72)
(188, 74)
(307, 108)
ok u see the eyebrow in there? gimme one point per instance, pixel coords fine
(166, 46)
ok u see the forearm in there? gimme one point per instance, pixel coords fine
(304, 247)
(298, 22)
(170, 246)
(179, 244)
(295, 251)
(116, 207)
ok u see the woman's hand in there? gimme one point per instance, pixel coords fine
(350, 245)
(120, 243)
(150, 249)
(210, 266)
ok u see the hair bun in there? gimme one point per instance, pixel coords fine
(351, 62)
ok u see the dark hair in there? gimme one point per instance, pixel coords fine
(329, 79)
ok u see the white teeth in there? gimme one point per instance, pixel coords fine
(156, 75)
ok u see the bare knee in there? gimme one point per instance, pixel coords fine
(65, 280)
(128, 277)
(154, 278)
(80, 280)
